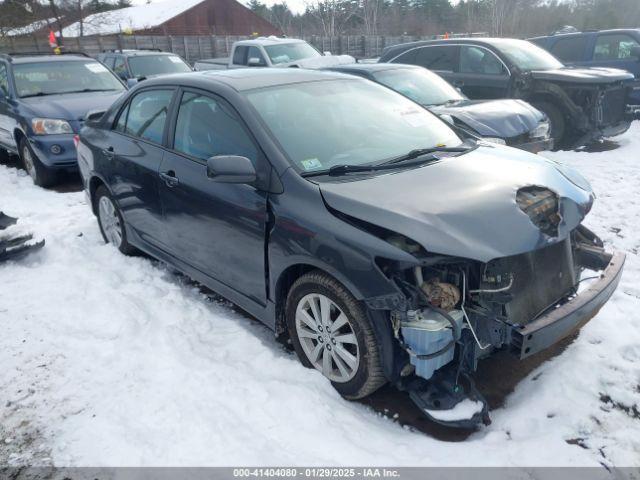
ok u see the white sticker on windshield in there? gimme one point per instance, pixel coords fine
(95, 67)
(311, 164)
(175, 59)
(414, 118)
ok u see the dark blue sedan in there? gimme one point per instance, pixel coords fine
(43, 102)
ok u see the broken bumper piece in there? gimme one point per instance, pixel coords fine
(14, 246)
(561, 322)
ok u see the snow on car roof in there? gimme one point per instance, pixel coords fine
(140, 17)
(266, 41)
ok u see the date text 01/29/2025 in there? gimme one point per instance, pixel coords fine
(316, 472)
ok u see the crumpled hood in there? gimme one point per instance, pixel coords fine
(493, 118)
(72, 106)
(583, 75)
(322, 62)
(464, 206)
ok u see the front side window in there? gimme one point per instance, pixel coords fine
(148, 65)
(255, 57)
(145, 115)
(420, 85)
(570, 49)
(120, 67)
(437, 58)
(346, 122)
(290, 52)
(207, 127)
(60, 77)
(109, 62)
(615, 47)
(526, 55)
(480, 60)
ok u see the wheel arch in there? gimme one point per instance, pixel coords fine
(94, 183)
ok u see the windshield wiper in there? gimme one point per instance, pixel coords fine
(39, 94)
(342, 169)
(86, 90)
(419, 152)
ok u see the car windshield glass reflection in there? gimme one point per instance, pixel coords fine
(147, 65)
(53, 78)
(419, 85)
(346, 122)
(527, 56)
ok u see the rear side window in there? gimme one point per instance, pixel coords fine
(207, 127)
(4, 78)
(119, 66)
(614, 47)
(480, 60)
(570, 49)
(407, 57)
(109, 62)
(240, 55)
(437, 58)
(146, 114)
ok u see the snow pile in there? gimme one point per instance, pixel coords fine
(32, 27)
(109, 360)
(140, 17)
(465, 410)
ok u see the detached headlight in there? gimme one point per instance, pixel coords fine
(542, 130)
(50, 126)
(497, 140)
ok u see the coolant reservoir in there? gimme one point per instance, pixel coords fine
(428, 332)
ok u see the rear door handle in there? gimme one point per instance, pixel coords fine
(108, 152)
(169, 178)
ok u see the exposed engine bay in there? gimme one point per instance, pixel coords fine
(459, 311)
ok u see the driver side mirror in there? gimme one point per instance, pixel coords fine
(231, 169)
(94, 115)
(255, 62)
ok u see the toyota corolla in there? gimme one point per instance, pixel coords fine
(354, 223)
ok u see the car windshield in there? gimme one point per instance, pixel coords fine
(346, 122)
(419, 85)
(527, 56)
(60, 77)
(148, 65)
(290, 52)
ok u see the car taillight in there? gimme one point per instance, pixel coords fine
(76, 140)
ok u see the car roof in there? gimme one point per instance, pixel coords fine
(138, 53)
(588, 32)
(49, 58)
(243, 79)
(371, 67)
(266, 41)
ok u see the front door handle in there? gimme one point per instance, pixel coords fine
(108, 152)
(169, 178)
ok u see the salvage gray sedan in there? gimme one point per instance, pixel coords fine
(353, 222)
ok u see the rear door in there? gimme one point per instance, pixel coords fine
(133, 151)
(481, 74)
(216, 228)
(440, 59)
(616, 50)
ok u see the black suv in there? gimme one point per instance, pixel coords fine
(350, 219)
(44, 100)
(135, 65)
(583, 104)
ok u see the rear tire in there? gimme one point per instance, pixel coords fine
(346, 352)
(39, 173)
(557, 122)
(111, 222)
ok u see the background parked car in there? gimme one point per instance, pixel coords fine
(618, 48)
(512, 122)
(582, 104)
(135, 65)
(43, 102)
(273, 52)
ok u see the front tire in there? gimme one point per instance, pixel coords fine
(111, 222)
(39, 173)
(557, 123)
(330, 332)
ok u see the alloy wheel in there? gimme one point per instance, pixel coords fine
(327, 337)
(110, 221)
(27, 158)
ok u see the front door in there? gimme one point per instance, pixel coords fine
(134, 149)
(216, 228)
(481, 74)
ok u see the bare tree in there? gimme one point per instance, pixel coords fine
(332, 15)
(368, 12)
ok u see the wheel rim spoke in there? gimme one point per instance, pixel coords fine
(330, 345)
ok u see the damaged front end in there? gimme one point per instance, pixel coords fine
(459, 311)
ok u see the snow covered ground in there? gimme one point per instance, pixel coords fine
(109, 360)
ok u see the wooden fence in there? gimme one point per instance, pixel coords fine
(193, 48)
